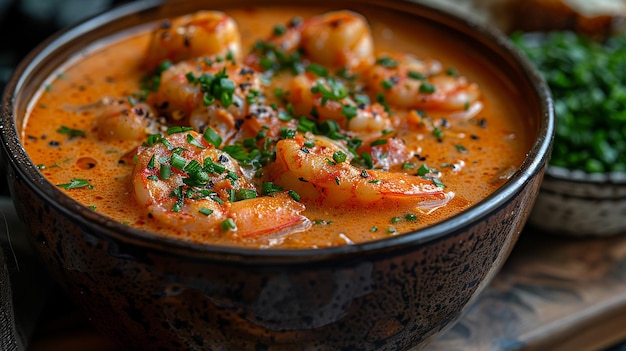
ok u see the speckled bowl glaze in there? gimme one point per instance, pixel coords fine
(154, 293)
(576, 203)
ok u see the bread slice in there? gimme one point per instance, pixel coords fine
(597, 18)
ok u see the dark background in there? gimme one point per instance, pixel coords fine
(26, 23)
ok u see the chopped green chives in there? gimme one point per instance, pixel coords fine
(367, 160)
(280, 30)
(70, 131)
(411, 217)
(228, 224)
(294, 195)
(191, 140)
(177, 129)
(427, 88)
(318, 70)
(165, 171)
(245, 194)
(378, 142)
(211, 136)
(349, 111)
(339, 156)
(178, 161)
(416, 75)
(76, 183)
(387, 62)
(151, 162)
(269, 188)
(205, 211)
(387, 84)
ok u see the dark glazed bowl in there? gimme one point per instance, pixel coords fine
(154, 293)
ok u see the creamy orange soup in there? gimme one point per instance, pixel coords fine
(328, 129)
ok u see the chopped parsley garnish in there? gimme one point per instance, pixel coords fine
(228, 224)
(294, 195)
(387, 62)
(205, 211)
(177, 129)
(378, 142)
(349, 111)
(214, 87)
(427, 88)
(273, 59)
(211, 136)
(76, 183)
(339, 156)
(388, 84)
(416, 75)
(318, 70)
(438, 133)
(329, 89)
(191, 140)
(269, 188)
(411, 217)
(71, 132)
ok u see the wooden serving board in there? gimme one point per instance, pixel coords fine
(554, 293)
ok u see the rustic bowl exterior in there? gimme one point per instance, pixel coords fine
(151, 299)
(574, 203)
(154, 293)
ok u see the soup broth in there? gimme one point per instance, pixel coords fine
(398, 160)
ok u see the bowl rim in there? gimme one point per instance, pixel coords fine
(533, 165)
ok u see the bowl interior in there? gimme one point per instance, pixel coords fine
(486, 47)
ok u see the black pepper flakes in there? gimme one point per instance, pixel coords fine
(239, 122)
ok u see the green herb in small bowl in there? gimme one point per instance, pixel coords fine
(584, 189)
(588, 83)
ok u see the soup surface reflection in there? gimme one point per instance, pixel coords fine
(325, 128)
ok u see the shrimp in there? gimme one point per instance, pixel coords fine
(121, 120)
(209, 94)
(186, 183)
(337, 40)
(410, 83)
(329, 99)
(321, 173)
(204, 33)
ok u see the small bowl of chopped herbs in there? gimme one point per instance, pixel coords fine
(584, 189)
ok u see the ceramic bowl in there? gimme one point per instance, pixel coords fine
(576, 203)
(149, 292)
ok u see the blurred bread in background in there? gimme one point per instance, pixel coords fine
(598, 18)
